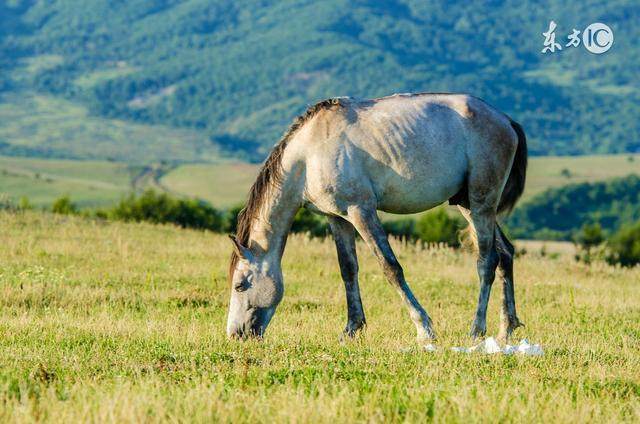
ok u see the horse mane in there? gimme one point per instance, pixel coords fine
(270, 175)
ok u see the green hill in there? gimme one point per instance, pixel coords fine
(237, 73)
(88, 183)
(36, 125)
(560, 213)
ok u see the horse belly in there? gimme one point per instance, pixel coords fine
(421, 184)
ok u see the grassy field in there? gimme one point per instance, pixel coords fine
(223, 185)
(125, 323)
(89, 183)
(547, 172)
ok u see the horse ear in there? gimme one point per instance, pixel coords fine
(240, 250)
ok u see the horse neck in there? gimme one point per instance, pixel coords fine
(271, 226)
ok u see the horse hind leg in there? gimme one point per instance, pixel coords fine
(344, 236)
(483, 221)
(508, 318)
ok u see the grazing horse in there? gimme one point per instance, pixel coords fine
(347, 158)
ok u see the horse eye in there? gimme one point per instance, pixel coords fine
(241, 286)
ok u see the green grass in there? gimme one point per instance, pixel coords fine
(566, 75)
(223, 185)
(47, 126)
(546, 172)
(125, 323)
(35, 64)
(100, 76)
(88, 183)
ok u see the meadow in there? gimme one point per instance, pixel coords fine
(114, 322)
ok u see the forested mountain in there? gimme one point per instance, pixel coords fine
(239, 72)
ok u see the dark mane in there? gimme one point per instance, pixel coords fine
(271, 175)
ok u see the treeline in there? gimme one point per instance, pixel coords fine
(161, 208)
(560, 213)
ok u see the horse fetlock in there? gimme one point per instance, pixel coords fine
(354, 327)
(508, 324)
(425, 333)
(478, 329)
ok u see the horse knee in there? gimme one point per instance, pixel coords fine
(392, 270)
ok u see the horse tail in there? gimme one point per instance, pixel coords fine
(515, 183)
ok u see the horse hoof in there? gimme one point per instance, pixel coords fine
(477, 331)
(352, 330)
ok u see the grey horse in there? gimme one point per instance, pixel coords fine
(346, 159)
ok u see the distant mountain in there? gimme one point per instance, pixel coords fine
(239, 72)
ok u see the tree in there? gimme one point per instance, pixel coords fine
(625, 246)
(590, 236)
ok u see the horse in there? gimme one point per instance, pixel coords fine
(348, 158)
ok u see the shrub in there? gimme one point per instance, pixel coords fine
(24, 204)
(64, 206)
(438, 227)
(624, 246)
(306, 221)
(231, 219)
(162, 208)
(590, 235)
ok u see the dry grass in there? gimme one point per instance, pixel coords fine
(125, 323)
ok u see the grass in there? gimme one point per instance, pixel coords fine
(565, 75)
(223, 185)
(89, 183)
(125, 323)
(89, 80)
(547, 172)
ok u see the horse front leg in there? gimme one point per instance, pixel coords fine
(344, 236)
(367, 223)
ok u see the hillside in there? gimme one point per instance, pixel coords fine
(237, 73)
(559, 213)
